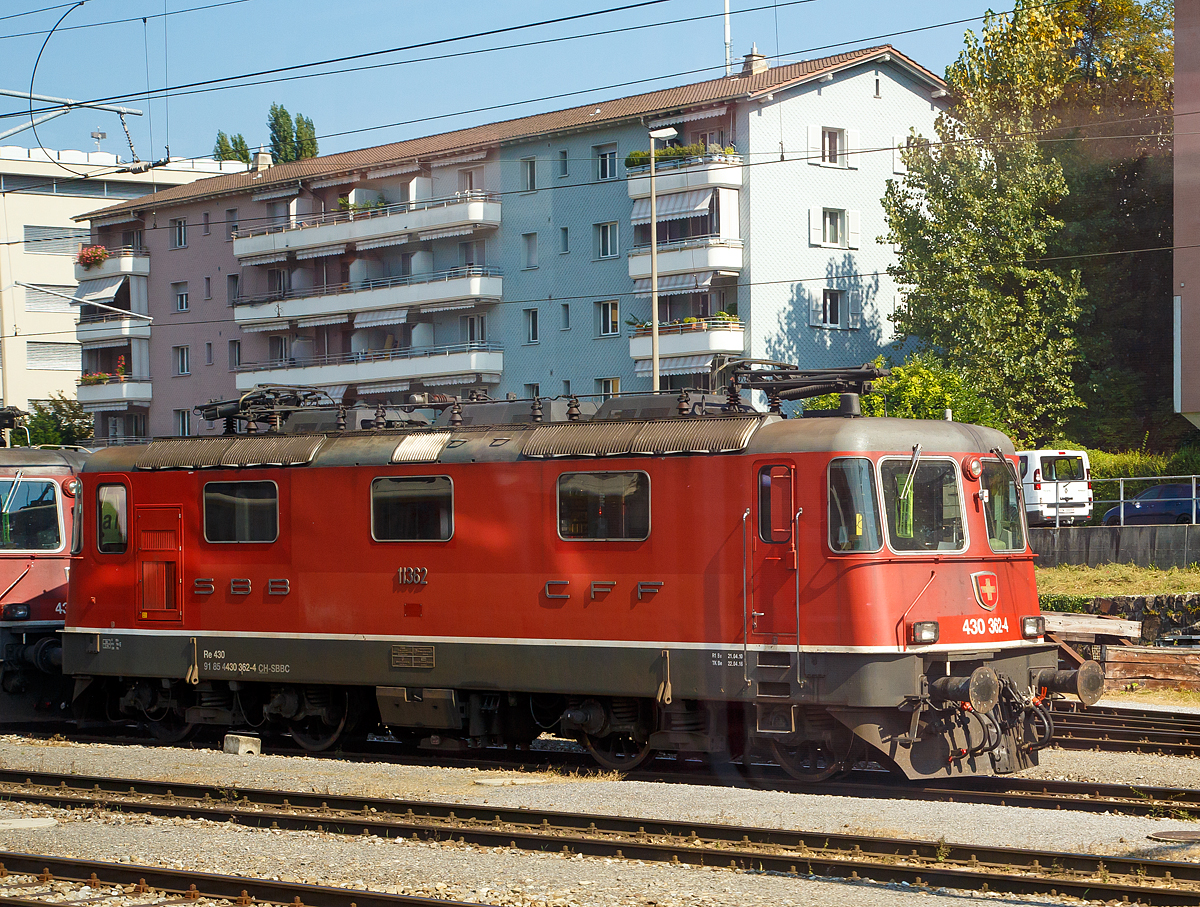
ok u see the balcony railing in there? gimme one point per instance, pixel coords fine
(662, 166)
(418, 352)
(691, 242)
(682, 327)
(105, 378)
(132, 251)
(96, 317)
(375, 284)
(366, 213)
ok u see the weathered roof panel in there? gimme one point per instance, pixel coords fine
(707, 435)
(421, 448)
(273, 450)
(183, 453)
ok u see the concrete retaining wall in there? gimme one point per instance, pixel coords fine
(1146, 546)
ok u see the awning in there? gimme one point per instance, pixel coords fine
(105, 344)
(687, 117)
(336, 391)
(676, 284)
(259, 327)
(381, 316)
(336, 248)
(267, 258)
(384, 387)
(449, 306)
(285, 192)
(448, 231)
(472, 378)
(673, 206)
(366, 245)
(674, 365)
(100, 289)
(120, 407)
(317, 320)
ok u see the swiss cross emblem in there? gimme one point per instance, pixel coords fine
(987, 590)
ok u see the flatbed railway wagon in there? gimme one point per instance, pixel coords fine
(37, 487)
(815, 589)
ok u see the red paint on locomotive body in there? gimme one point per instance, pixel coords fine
(778, 591)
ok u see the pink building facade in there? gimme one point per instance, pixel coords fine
(1187, 212)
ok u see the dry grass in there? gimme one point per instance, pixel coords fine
(1154, 697)
(1116, 579)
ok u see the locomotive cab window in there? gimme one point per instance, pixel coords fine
(775, 510)
(29, 515)
(112, 519)
(1002, 507)
(604, 506)
(412, 509)
(923, 505)
(241, 512)
(853, 506)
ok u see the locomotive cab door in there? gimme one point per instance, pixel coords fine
(158, 532)
(772, 605)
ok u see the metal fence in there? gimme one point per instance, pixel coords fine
(1128, 501)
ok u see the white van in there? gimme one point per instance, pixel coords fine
(1056, 483)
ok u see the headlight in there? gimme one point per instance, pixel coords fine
(1033, 627)
(923, 632)
(15, 612)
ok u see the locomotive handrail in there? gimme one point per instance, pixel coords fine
(746, 599)
(796, 548)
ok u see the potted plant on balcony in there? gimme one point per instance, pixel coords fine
(88, 380)
(120, 368)
(91, 256)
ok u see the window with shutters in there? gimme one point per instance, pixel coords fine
(241, 512)
(836, 309)
(833, 146)
(53, 357)
(832, 307)
(834, 228)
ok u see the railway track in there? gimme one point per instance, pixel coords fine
(1126, 730)
(848, 857)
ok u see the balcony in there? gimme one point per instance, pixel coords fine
(702, 337)
(705, 172)
(122, 261)
(433, 290)
(371, 226)
(700, 253)
(104, 326)
(98, 393)
(414, 364)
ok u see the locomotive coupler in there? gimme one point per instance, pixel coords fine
(981, 689)
(1086, 682)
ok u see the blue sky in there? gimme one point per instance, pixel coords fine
(429, 83)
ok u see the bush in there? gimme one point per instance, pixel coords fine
(1076, 604)
(670, 153)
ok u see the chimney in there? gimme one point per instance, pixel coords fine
(262, 160)
(755, 62)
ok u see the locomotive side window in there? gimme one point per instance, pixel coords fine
(29, 515)
(412, 509)
(604, 506)
(775, 510)
(1002, 509)
(853, 506)
(922, 505)
(241, 512)
(112, 526)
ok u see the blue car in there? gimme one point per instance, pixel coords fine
(1157, 504)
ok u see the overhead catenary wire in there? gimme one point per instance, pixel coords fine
(178, 12)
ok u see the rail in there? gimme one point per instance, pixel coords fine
(100, 317)
(413, 352)
(692, 242)
(91, 380)
(1176, 505)
(378, 283)
(662, 165)
(367, 212)
(127, 251)
(686, 326)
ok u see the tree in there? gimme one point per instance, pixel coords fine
(971, 219)
(282, 133)
(231, 148)
(306, 138)
(923, 387)
(59, 420)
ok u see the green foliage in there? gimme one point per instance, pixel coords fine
(59, 420)
(282, 134)
(1124, 464)
(670, 153)
(922, 388)
(971, 219)
(231, 148)
(306, 138)
(1076, 604)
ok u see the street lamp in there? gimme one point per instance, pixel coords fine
(666, 135)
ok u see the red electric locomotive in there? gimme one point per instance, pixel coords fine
(36, 519)
(665, 575)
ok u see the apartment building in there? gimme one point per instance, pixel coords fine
(514, 257)
(1187, 213)
(41, 192)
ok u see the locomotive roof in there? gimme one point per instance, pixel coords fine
(43, 458)
(748, 433)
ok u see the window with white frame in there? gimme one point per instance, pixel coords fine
(179, 233)
(562, 162)
(831, 307)
(564, 241)
(606, 162)
(529, 250)
(608, 314)
(473, 328)
(235, 354)
(231, 288)
(608, 387)
(835, 309)
(183, 423)
(277, 347)
(607, 245)
(466, 180)
(711, 138)
(833, 146)
(564, 323)
(532, 391)
(182, 360)
(528, 174)
(470, 254)
(278, 280)
(531, 325)
(179, 292)
(834, 228)
(832, 232)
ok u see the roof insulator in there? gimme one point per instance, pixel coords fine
(684, 406)
(380, 417)
(735, 397)
(456, 415)
(536, 409)
(573, 409)
(340, 425)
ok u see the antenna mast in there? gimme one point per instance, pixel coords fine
(728, 44)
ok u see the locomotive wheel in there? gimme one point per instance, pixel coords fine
(809, 760)
(618, 752)
(314, 735)
(172, 728)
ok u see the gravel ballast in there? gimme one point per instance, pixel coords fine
(505, 876)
